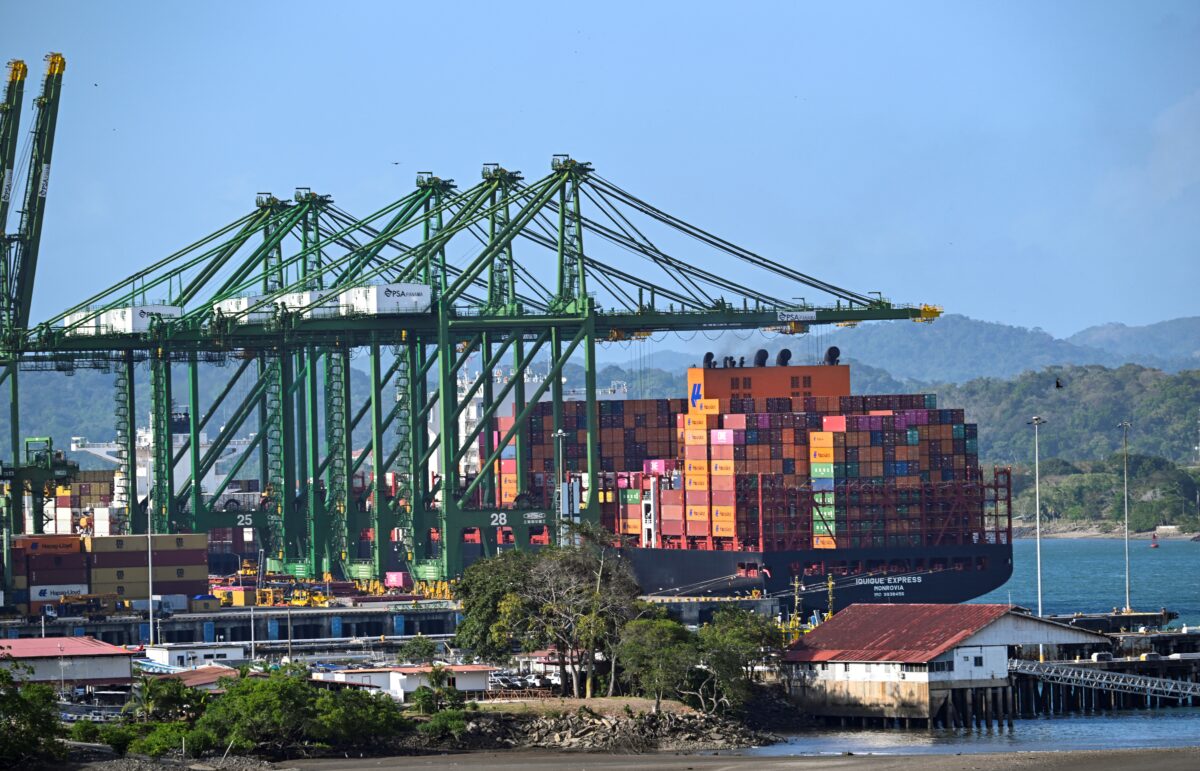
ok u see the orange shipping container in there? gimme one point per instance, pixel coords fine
(695, 436)
(824, 542)
(821, 455)
(706, 407)
(723, 513)
(820, 439)
(695, 482)
(698, 512)
(723, 529)
(720, 467)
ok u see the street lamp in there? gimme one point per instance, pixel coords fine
(1037, 506)
(559, 439)
(1125, 425)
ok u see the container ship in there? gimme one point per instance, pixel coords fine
(773, 480)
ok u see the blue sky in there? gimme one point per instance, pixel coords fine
(1025, 162)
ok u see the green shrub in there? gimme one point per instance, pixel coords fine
(355, 718)
(118, 736)
(160, 739)
(200, 741)
(84, 731)
(447, 723)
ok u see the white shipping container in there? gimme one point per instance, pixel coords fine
(176, 603)
(240, 307)
(386, 299)
(52, 592)
(136, 319)
(324, 303)
(88, 327)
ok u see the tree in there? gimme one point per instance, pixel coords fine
(656, 655)
(272, 714)
(164, 698)
(439, 694)
(419, 650)
(730, 647)
(483, 587)
(352, 717)
(575, 598)
(29, 716)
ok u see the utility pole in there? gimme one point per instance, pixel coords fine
(1125, 425)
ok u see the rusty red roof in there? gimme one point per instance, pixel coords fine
(912, 634)
(47, 647)
(205, 675)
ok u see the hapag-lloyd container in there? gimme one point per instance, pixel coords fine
(385, 299)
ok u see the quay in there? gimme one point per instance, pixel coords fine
(264, 624)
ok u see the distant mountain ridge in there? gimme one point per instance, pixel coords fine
(956, 348)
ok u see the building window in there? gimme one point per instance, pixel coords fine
(979, 661)
(845, 667)
(178, 543)
(745, 382)
(733, 382)
(795, 381)
(808, 381)
(179, 572)
(120, 543)
(807, 393)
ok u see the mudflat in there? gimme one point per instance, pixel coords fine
(1176, 759)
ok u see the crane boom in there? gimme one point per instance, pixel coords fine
(22, 258)
(10, 119)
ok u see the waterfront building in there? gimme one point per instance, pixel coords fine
(68, 662)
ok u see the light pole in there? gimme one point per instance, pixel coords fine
(1037, 506)
(1125, 425)
(561, 498)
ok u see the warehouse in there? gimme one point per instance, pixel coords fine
(69, 661)
(922, 664)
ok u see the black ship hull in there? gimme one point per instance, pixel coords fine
(931, 574)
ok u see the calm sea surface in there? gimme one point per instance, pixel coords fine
(1077, 575)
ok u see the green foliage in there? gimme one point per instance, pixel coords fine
(483, 587)
(284, 711)
(1083, 415)
(438, 695)
(353, 718)
(445, 724)
(118, 736)
(273, 714)
(418, 650)
(164, 698)
(656, 655)
(730, 647)
(161, 739)
(84, 731)
(29, 717)
(1093, 493)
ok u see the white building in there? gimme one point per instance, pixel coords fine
(69, 661)
(192, 655)
(924, 662)
(399, 682)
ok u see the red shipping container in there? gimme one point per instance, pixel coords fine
(697, 498)
(834, 423)
(57, 561)
(721, 482)
(722, 452)
(733, 421)
(670, 511)
(697, 527)
(674, 497)
(671, 527)
(58, 577)
(695, 452)
(723, 497)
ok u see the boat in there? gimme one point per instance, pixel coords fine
(776, 480)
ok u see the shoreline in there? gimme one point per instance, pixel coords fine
(1166, 759)
(1027, 531)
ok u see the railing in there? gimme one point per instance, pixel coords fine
(1103, 679)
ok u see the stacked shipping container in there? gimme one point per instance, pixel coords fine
(48, 567)
(803, 465)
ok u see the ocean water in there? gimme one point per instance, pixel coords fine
(1089, 575)
(1077, 575)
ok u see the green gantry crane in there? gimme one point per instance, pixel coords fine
(19, 253)
(270, 311)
